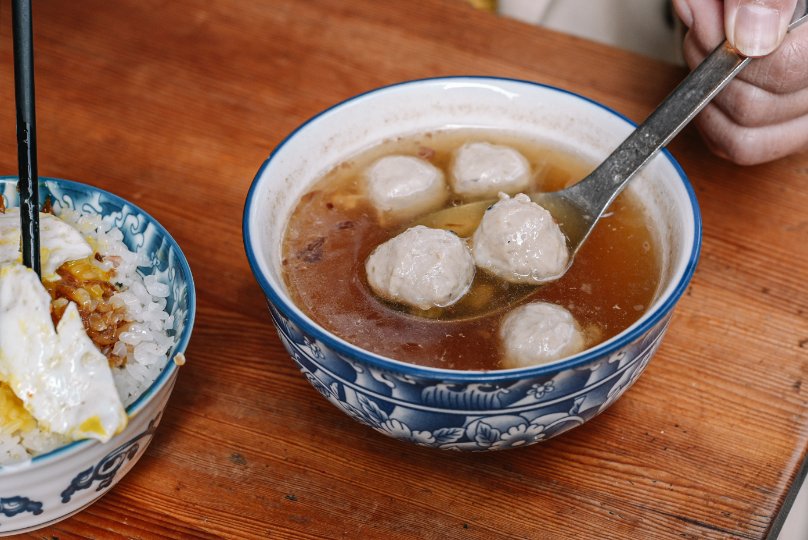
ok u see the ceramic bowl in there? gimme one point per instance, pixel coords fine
(55, 485)
(466, 410)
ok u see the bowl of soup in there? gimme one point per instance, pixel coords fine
(410, 328)
(89, 351)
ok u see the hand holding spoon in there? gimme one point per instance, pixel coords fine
(578, 208)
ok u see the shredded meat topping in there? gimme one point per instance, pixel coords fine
(90, 287)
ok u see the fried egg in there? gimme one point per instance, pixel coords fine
(60, 376)
(58, 241)
(13, 415)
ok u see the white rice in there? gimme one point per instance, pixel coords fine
(145, 344)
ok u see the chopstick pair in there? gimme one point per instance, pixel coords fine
(28, 184)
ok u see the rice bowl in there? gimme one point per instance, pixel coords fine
(45, 477)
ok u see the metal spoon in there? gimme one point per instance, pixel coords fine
(577, 208)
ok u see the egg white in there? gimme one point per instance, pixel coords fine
(59, 242)
(63, 380)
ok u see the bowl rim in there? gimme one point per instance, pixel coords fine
(344, 348)
(170, 368)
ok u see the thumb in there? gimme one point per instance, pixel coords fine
(757, 27)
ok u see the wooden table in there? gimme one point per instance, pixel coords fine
(174, 105)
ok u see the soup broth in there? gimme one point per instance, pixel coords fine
(333, 229)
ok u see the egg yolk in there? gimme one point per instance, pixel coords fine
(13, 415)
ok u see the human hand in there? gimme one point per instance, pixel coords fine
(762, 115)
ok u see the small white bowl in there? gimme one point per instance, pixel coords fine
(57, 484)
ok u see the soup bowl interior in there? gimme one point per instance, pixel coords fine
(553, 116)
(58, 483)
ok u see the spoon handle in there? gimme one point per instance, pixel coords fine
(595, 192)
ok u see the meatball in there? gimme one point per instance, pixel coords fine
(482, 170)
(401, 187)
(517, 240)
(538, 333)
(421, 267)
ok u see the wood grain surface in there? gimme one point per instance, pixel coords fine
(174, 105)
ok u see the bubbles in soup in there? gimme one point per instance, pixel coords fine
(334, 228)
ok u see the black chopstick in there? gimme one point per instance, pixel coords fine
(26, 131)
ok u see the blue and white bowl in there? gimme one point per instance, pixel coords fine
(466, 410)
(55, 485)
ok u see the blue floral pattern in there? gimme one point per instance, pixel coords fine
(468, 416)
(11, 506)
(104, 471)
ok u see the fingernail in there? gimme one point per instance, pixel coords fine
(757, 29)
